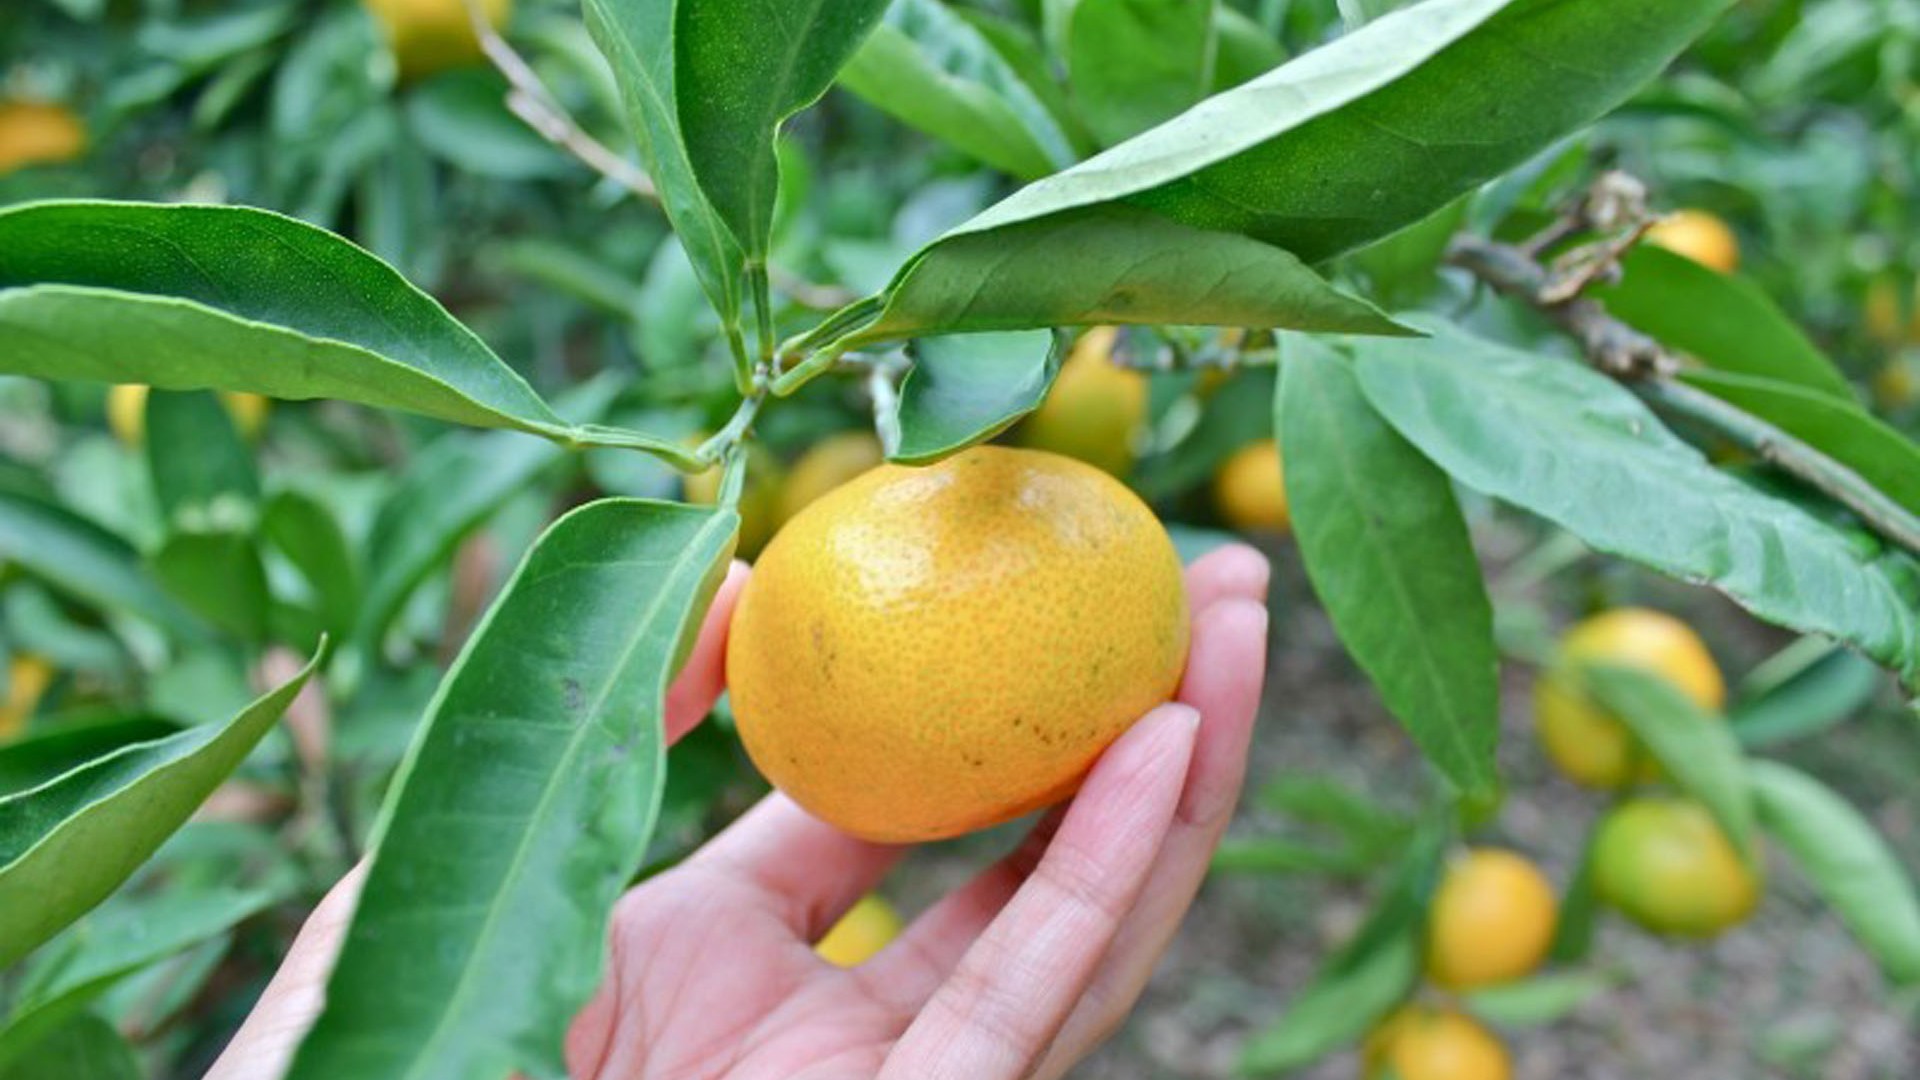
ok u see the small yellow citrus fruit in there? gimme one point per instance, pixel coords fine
(432, 35)
(1095, 410)
(1492, 920)
(1250, 489)
(1665, 864)
(1422, 1043)
(127, 412)
(1886, 323)
(28, 677)
(759, 500)
(869, 925)
(826, 465)
(38, 133)
(1699, 236)
(928, 651)
(1896, 385)
(1588, 743)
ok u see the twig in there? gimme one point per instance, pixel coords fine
(1647, 368)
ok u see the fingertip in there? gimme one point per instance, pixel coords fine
(1235, 570)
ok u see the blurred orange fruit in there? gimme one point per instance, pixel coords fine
(1491, 922)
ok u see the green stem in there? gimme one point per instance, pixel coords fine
(762, 293)
(733, 433)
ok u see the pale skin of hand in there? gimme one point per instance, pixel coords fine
(1018, 974)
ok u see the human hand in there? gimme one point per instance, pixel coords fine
(1019, 973)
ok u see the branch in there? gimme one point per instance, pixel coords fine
(1648, 369)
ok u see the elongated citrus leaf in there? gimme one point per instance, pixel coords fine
(967, 388)
(86, 1047)
(1579, 909)
(1538, 1001)
(1824, 695)
(109, 944)
(85, 561)
(524, 806)
(203, 475)
(636, 36)
(1723, 321)
(933, 70)
(185, 297)
(1837, 427)
(1113, 264)
(1133, 63)
(1362, 982)
(301, 528)
(1332, 150)
(67, 844)
(742, 67)
(1696, 748)
(1389, 555)
(1847, 862)
(1557, 438)
(37, 758)
(219, 576)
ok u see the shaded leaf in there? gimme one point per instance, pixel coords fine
(84, 561)
(1389, 556)
(203, 474)
(1824, 695)
(219, 576)
(67, 844)
(1537, 1001)
(1558, 439)
(524, 806)
(1133, 63)
(301, 528)
(1695, 748)
(968, 388)
(1579, 908)
(1847, 862)
(84, 1048)
(37, 758)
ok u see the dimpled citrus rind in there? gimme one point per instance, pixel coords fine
(925, 652)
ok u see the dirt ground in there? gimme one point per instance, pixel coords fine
(1788, 996)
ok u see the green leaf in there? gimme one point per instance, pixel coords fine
(461, 116)
(742, 67)
(114, 941)
(933, 70)
(1239, 412)
(301, 528)
(1847, 862)
(1133, 63)
(1821, 697)
(1579, 908)
(637, 39)
(66, 845)
(203, 474)
(85, 561)
(1389, 555)
(186, 297)
(219, 576)
(1338, 147)
(1361, 983)
(524, 806)
(1243, 49)
(1538, 1001)
(1837, 427)
(1696, 748)
(37, 758)
(1554, 437)
(968, 388)
(1724, 321)
(1111, 264)
(84, 1048)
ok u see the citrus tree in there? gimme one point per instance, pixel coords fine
(1356, 271)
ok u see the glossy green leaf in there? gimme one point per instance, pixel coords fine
(1827, 693)
(84, 561)
(1133, 63)
(1695, 748)
(301, 528)
(461, 116)
(1332, 150)
(931, 69)
(1565, 442)
(1389, 556)
(67, 844)
(1837, 427)
(1537, 1001)
(1361, 983)
(37, 758)
(1847, 862)
(966, 389)
(84, 1048)
(110, 943)
(1239, 412)
(218, 576)
(524, 806)
(741, 68)
(203, 474)
(637, 38)
(1724, 321)
(184, 297)
(1579, 913)
(1112, 264)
